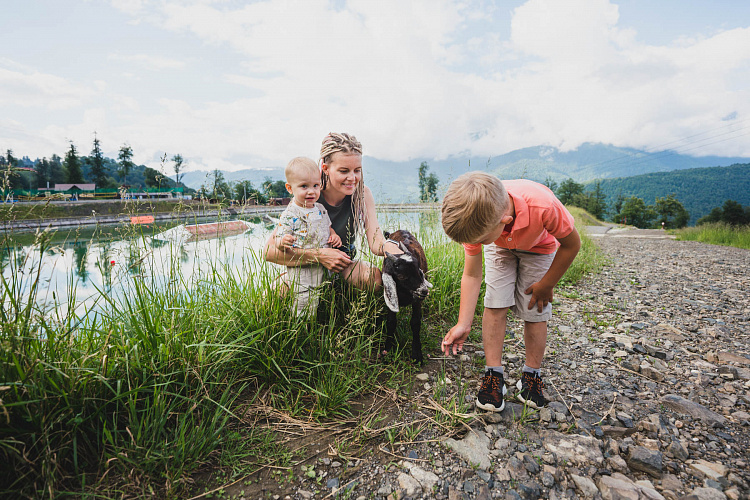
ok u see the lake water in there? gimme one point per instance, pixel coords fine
(84, 266)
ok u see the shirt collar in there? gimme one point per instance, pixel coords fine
(522, 212)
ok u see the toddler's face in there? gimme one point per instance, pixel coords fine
(305, 188)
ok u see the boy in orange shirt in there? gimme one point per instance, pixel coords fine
(530, 241)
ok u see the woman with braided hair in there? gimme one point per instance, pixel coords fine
(351, 208)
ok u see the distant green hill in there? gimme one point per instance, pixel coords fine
(698, 189)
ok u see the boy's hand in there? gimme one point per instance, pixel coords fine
(286, 241)
(455, 338)
(334, 240)
(541, 295)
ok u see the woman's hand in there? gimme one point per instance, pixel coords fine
(333, 259)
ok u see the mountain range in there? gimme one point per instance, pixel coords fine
(397, 182)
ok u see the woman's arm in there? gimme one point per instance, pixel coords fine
(375, 239)
(331, 258)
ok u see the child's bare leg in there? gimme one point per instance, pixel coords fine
(493, 334)
(535, 338)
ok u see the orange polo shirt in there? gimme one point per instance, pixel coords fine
(539, 221)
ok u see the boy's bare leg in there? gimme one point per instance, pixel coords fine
(535, 338)
(493, 334)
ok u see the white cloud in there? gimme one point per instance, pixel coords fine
(147, 60)
(410, 79)
(21, 86)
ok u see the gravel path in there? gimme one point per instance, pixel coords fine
(648, 364)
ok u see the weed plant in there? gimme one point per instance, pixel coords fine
(717, 234)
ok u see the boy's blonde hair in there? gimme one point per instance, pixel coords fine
(299, 165)
(473, 205)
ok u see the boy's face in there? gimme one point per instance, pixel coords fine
(305, 187)
(493, 234)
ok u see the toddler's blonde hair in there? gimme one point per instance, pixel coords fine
(298, 166)
(473, 205)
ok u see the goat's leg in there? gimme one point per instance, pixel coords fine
(416, 326)
(390, 332)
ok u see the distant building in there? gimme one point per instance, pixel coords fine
(74, 187)
(279, 201)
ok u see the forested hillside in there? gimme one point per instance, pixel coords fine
(698, 189)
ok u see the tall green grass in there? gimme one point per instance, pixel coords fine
(134, 398)
(717, 234)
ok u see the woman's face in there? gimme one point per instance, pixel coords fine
(344, 172)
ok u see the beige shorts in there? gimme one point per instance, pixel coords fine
(508, 273)
(304, 282)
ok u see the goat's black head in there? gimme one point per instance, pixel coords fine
(402, 272)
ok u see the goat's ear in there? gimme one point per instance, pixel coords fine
(424, 278)
(390, 293)
(403, 247)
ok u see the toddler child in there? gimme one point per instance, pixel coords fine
(304, 224)
(530, 241)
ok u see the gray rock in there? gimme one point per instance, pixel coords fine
(517, 469)
(677, 451)
(529, 490)
(548, 480)
(511, 413)
(585, 485)
(474, 448)
(426, 478)
(705, 494)
(645, 460)
(531, 465)
(577, 449)
(619, 486)
(730, 357)
(711, 470)
(410, 485)
(695, 410)
(558, 407)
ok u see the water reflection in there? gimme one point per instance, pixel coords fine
(87, 266)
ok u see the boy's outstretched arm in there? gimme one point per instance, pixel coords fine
(542, 291)
(471, 282)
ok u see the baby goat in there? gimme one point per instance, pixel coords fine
(404, 284)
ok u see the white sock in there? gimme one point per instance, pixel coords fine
(533, 371)
(496, 368)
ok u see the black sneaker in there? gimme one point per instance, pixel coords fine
(492, 391)
(530, 389)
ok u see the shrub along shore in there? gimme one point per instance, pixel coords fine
(717, 233)
(135, 399)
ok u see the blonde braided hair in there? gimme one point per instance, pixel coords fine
(345, 144)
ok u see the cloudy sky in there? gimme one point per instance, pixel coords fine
(235, 84)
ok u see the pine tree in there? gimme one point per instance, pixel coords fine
(73, 166)
(98, 172)
(125, 160)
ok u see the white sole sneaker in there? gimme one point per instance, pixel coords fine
(527, 402)
(490, 406)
